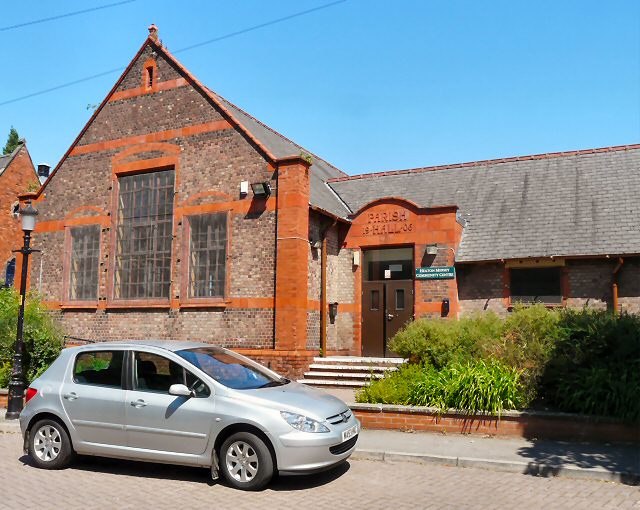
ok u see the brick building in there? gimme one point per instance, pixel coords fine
(175, 214)
(17, 176)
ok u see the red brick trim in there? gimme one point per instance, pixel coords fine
(487, 162)
(141, 91)
(158, 136)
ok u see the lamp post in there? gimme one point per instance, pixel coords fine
(16, 385)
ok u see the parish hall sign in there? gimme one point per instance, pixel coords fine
(388, 222)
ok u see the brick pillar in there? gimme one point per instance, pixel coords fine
(291, 254)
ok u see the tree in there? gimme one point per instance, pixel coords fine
(13, 140)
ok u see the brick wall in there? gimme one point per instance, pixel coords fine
(210, 162)
(14, 180)
(481, 286)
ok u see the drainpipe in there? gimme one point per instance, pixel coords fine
(615, 284)
(323, 290)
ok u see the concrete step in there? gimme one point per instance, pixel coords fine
(351, 368)
(341, 376)
(331, 383)
(352, 360)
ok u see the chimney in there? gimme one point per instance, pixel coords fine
(43, 170)
(153, 33)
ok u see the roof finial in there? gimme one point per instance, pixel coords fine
(153, 32)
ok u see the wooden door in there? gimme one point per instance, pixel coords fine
(373, 313)
(399, 309)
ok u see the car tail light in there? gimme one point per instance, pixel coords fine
(31, 392)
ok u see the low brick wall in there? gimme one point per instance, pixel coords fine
(527, 424)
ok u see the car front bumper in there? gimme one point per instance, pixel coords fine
(304, 452)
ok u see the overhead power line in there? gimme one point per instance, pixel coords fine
(186, 48)
(66, 15)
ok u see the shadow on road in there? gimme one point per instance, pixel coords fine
(616, 458)
(191, 474)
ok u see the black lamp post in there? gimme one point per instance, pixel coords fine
(16, 385)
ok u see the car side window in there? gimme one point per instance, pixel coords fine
(103, 368)
(156, 373)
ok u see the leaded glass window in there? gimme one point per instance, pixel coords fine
(207, 255)
(85, 259)
(144, 236)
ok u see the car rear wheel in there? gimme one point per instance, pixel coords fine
(245, 461)
(49, 445)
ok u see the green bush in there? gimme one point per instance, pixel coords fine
(474, 386)
(42, 336)
(394, 388)
(595, 367)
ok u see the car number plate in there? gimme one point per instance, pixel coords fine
(349, 433)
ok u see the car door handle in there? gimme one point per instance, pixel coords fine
(138, 403)
(70, 396)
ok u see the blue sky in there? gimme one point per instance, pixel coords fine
(367, 85)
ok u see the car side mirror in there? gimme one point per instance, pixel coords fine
(180, 390)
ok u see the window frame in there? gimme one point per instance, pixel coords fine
(112, 301)
(66, 301)
(512, 300)
(185, 299)
(123, 371)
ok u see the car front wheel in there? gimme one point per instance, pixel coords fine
(49, 445)
(245, 461)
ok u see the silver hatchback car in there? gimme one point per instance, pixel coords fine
(183, 403)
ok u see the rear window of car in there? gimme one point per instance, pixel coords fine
(103, 368)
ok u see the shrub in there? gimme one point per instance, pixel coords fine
(595, 368)
(42, 336)
(488, 386)
(394, 388)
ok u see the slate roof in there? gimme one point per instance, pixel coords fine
(566, 204)
(321, 195)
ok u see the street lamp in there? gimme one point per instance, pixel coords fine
(16, 385)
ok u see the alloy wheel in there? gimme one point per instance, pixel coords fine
(47, 443)
(242, 461)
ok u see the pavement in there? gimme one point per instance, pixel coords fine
(599, 461)
(97, 483)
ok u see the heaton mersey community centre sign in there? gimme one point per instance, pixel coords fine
(435, 273)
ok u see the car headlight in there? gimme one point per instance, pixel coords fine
(303, 423)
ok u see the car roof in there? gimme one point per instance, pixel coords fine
(169, 345)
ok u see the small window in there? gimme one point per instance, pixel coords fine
(149, 80)
(536, 285)
(102, 368)
(207, 255)
(399, 299)
(10, 273)
(85, 259)
(375, 300)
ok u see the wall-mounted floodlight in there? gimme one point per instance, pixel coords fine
(432, 249)
(244, 188)
(261, 189)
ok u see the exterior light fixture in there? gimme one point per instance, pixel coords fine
(17, 383)
(261, 189)
(432, 249)
(316, 245)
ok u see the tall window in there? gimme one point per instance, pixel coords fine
(207, 255)
(144, 235)
(85, 259)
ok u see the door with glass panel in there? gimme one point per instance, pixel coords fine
(387, 297)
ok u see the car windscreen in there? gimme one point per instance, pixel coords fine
(229, 369)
